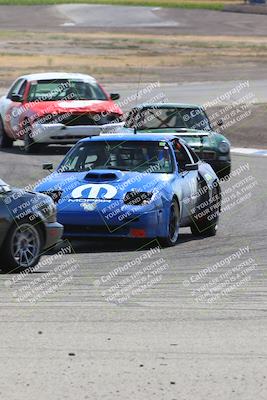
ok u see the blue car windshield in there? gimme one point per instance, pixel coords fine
(139, 156)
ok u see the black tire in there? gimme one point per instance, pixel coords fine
(22, 247)
(30, 146)
(224, 173)
(204, 230)
(173, 226)
(208, 225)
(5, 141)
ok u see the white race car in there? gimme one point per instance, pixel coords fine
(55, 108)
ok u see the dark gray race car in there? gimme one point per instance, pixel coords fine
(27, 227)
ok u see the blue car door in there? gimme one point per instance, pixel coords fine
(188, 180)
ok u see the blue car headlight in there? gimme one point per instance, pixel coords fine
(224, 147)
(135, 198)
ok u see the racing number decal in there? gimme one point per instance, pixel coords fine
(94, 191)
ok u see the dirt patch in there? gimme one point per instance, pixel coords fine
(246, 8)
(250, 131)
(112, 56)
(199, 22)
(117, 57)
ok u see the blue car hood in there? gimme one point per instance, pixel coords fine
(102, 184)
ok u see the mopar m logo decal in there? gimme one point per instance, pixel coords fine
(93, 190)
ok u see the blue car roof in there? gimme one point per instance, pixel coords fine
(167, 105)
(131, 137)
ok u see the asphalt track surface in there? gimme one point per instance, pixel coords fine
(154, 19)
(187, 92)
(159, 344)
(193, 92)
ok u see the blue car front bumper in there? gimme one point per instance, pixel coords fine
(107, 221)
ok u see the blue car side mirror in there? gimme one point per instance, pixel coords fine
(191, 167)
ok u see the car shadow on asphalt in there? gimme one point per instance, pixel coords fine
(18, 271)
(123, 245)
(46, 150)
(105, 246)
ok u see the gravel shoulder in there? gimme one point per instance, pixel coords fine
(73, 17)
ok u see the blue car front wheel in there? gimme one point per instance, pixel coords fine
(173, 224)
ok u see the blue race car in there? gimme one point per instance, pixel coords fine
(134, 186)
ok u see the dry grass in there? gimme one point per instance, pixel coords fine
(112, 55)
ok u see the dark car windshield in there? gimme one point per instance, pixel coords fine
(161, 118)
(140, 156)
(65, 89)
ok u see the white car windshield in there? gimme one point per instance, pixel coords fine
(65, 89)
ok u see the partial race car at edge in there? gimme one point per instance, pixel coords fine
(28, 226)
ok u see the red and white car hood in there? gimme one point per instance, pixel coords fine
(74, 106)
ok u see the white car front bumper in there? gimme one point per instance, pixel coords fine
(60, 133)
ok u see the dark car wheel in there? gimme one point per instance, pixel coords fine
(5, 141)
(224, 173)
(30, 146)
(208, 225)
(173, 226)
(205, 229)
(22, 247)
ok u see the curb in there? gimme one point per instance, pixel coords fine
(248, 151)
